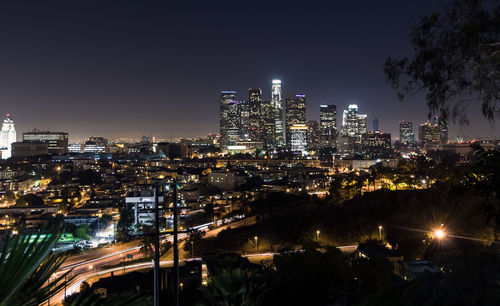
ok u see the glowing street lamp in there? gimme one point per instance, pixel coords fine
(256, 244)
(380, 232)
(439, 233)
(317, 235)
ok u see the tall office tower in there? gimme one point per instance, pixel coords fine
(350, 121)
(233, 121)
(298, 138)
(268, 124)
(443, 127)
(295, 113)
(353, 123)
(328, 125)
(406, 135)
(277, 101)
(226, 97)
(375, 124)
(255, 118)
(362, 124)
(244, 119)
(7, 137)
(429, 133)
(376, 144)
(312, 134)
(57, 141)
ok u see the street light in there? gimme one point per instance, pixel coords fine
(317, 235)
(380, 232)
(256, 244)
(439, 233)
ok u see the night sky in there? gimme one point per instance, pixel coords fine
(132, 68)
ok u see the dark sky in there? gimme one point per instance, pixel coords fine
(132, 68)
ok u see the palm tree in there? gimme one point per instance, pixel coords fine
(28, 273)
(231, 287)
(27, 267)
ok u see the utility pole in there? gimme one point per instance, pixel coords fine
(157, 251)
(176, 249)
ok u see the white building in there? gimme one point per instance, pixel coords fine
(7, 137)
(143, 204)
(298, 137)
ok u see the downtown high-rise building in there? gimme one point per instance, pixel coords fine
(268, 125)
(328, 125)
(277, 102)
(298, 138)
(57, 141)
(233, 122)
(295, 113)
(255, 129)
(244, 120)
(429, 133)
(7, 137)
(226, 97)
(312, 135)
(353, 123)
(406, 135)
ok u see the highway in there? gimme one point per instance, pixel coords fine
(87, 274)
(94, 262)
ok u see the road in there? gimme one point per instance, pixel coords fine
(95, 261)
(88, 274)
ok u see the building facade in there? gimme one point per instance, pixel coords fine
(298, 138)
(7, 137)
(255, 117)
(226, 97)
(295, 114)
(328, 125)
(312, 135)
(277, 101)
(57, 141)
(406, 135)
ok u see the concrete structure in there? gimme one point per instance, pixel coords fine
(328, 126)
(298, 135)
(295, 114)
(226, 97)
(143, 204)
(7, 137)
(406, 135)
(26, 149)
(57, 141)
(277, 102)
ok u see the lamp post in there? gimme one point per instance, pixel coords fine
(380, 232)
(256, 244)
(317, 235)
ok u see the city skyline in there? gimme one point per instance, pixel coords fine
(93, 68)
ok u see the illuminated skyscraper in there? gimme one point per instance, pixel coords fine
(353, 123)
(442, 123)
(226, 97)
(350, 122)
(298, 138)
(312, 135)
(277, 101)
(244, 119)
(7, 137)
(406, 135)
(295, 114)
(429, 133)
(268, 124)
(255, 129)
(233, 122)
(328, 125)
